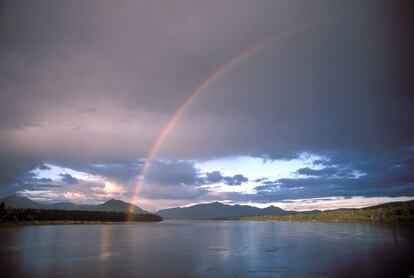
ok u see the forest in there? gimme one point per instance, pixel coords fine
(39, 216)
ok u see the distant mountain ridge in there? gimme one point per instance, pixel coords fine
(214, 210)
(217, 210)
(16, 201)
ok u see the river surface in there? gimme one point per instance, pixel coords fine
(208, 249)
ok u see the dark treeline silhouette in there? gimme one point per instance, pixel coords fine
(13, 215)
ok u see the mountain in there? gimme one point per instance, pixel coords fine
(217, 210)
(117, 205)
(273, 210)
(63, 206)
(16, 201)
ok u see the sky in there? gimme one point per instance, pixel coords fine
(303, 104)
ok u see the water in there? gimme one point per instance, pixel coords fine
(208, 249)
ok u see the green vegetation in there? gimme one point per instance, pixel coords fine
(46, 216)
(403, 212)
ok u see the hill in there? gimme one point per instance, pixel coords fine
(392, 204)
(15, 201)
(118, 205)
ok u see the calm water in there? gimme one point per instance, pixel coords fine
(208, 249)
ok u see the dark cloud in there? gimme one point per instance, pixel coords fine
(380, 178)
(180, 192)
(261, 179)
(319, 172)
(341, 89)
(45, 180)
(173, 173)
(14, 171)
(123, 171)
(69, 179)
(236, 179)
(216, 177)
(331, 171)
(43, 167)
(312, 91)
(17, 176)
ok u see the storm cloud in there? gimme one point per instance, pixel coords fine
(89, 85)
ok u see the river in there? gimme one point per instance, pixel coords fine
(208, 249)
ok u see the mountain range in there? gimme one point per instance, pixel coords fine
(200, 211)
(16, 201)
(217, 210)
(214, 210)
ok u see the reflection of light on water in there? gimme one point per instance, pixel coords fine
(220, 251)
(105, 255)
(105, 244)
(12, 248)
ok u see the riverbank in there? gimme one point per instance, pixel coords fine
(39, 223)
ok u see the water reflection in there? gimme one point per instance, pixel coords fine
(208, 249)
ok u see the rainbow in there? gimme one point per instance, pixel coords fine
(236, 59)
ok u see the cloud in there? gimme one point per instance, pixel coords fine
(181, 192)
(216, 177)
(340, 90)
(295, 87)
(123, 171)
(236, 179)
(69, 179)
(167, 172)
(92, 190)
(13, 172)
(179, 182)
(43, 167)
(381, 178)
(171, 181)
(332, 171)
(45, 180)
(317, 172)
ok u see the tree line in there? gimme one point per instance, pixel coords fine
(15, 215)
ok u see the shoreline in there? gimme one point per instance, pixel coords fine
(70, 222)
(65, 222)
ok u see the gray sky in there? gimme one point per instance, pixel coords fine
(87, 83)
